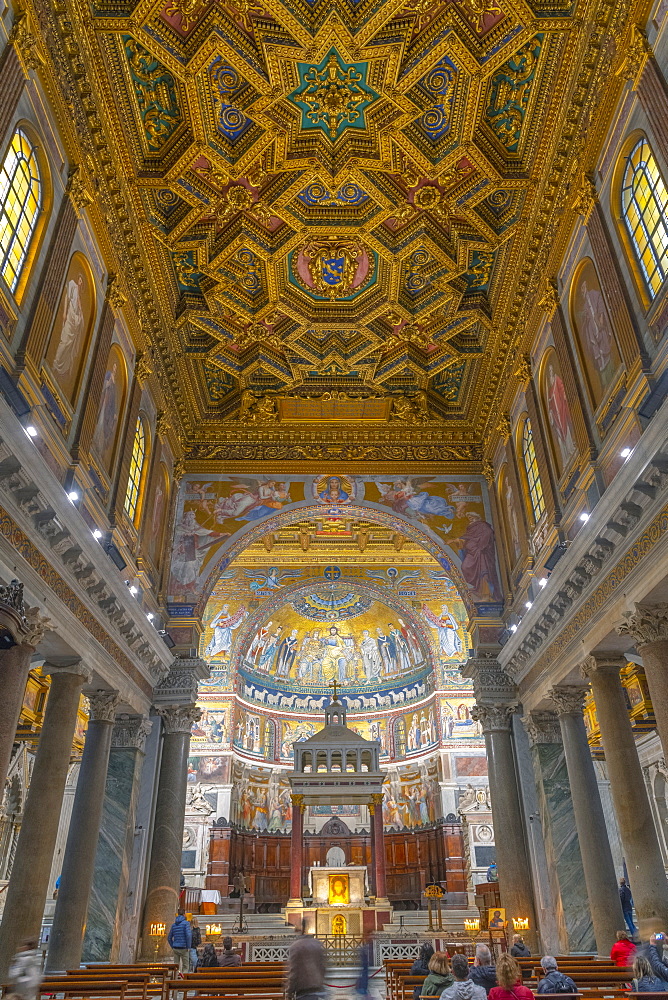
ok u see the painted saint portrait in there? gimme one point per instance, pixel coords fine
(559, 420)
(72, 326)
(596, 339)
(112, 402)
(511, 515)
(155, 522)
(497, 918)
(339, 890)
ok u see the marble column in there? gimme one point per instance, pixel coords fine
(376, 810)
(372, 866)
(296, 850)
(648, 626)
(647, 876)
(162, 894)
(512, 857)
(598, 866)
(562, 847)
(29, 883)
(106, 906)
(69, 919)
(25, 628)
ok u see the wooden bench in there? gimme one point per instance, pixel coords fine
(69, 986)
(260, 988)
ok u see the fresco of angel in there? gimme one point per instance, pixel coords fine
(449, 642)
(409, 497)
(252, 498)
(271, 580)
(393, 576)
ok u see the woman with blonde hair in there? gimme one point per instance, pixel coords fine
(509, 979)
(644, 980)
(439, 977)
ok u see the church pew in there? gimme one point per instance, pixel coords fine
(64, 986)
(138, 985)
(259, 989)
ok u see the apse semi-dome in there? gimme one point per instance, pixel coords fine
(374, 649)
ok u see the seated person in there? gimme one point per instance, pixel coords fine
(623, 950)
(509, 978)
(554, 981)
(208, 959)
(463, 987)
(519, 949)
(483, 972)
(420, 966)
(655, 956)
(644, 980)
(439, 977)
(228, 957)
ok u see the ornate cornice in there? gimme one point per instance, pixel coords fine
(569, 699)
(647, 624)
(103, 705)
(542, 727)
(131, 731)
(178, 718)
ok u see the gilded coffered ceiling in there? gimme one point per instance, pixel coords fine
(342, 210)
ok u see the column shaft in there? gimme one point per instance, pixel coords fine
(296, 849)
(372, 867)
(14, 670)
(379, 838)
(69, 920)
(636, 826)
(162, 895)
(29, 883)
(511, 853)
(597, 863)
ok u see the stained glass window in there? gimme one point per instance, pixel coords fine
(531, 468)
(20, 205)
(645, 212)
(136, 468)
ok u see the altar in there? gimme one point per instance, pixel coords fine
(334, 767)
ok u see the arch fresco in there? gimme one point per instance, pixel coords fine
(217, 517)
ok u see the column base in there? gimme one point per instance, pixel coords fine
(294, 903)
(381, 901)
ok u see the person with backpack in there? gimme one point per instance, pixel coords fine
(463, 987)
(509, 978)
(554, 981)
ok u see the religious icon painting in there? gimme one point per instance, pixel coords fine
(599, 354)
(112, 402)
(557, 408)
(496, 918)
(333, 490)
(72, 327)
(339, 890)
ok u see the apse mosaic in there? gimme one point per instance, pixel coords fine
(217, 516)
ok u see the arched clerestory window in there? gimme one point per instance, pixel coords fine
(644, 205)
(534, 485)
(136, 476)
(20, 206)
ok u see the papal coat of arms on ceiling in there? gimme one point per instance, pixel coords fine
(333, 269)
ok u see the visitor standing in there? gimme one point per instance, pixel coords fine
(25, 972)
(623, 950)
(626, 899)
(509, 978)
(195, 942)
(180, 941)
(463, 987)
(306, 967)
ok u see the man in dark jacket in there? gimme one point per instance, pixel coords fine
(306, 967)
(626, 899)
(483, 973)
(519, 949)
(554, 981)
(180, 939)
(229, 958)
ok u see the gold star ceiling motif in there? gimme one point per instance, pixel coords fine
(348, 201)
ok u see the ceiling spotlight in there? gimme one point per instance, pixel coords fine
(542, 582)
(513, 628)
(584, 516)
(31, 431)
(529, 604)
(97, 533)
(73, 496)
(625, 452)
(150, 616)
(134, 590)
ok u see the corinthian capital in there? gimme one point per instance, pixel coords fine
(490, 681)
(178, 718)
(601, 664)
(542, 727)
(494, 717)
(648, 623)
(103, 706)
(26, 625)
(569, 700)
